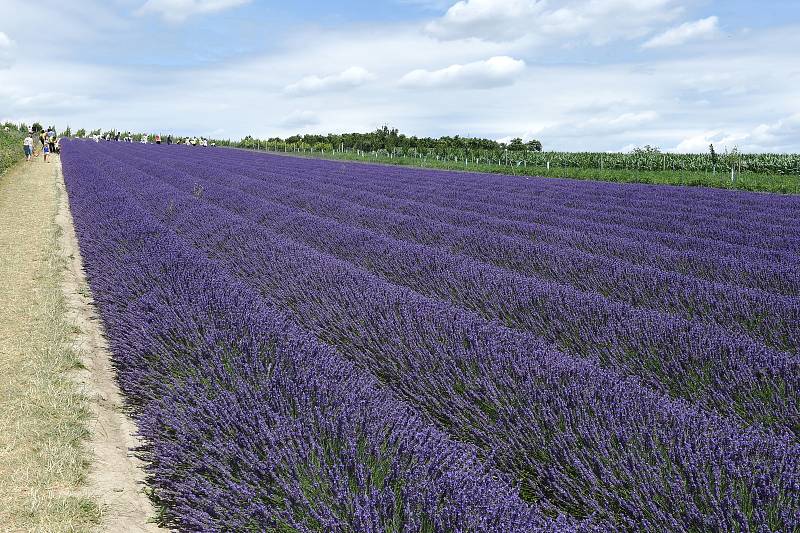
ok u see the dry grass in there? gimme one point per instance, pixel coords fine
(43, 415)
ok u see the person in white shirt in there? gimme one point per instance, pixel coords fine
(51, 139)
(144, 139)
(27, 145)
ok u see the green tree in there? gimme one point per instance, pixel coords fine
(714, 158)
(534, 145)
(516, 145)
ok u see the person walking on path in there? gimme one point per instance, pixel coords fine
(46, 151)
(27, 145)
(51, 139)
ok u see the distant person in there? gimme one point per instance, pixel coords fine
(46, 151)
(51, 140)
(158, 139)
(169, 140)
(144, 139)
(27, 145)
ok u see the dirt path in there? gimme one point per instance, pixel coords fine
(116, 479)
(65, 461)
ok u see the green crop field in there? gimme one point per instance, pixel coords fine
(730, 170)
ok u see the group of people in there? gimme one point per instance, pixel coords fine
(48, 141)
(156, 139)
(198, 141)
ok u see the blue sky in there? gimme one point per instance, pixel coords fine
(576, 74)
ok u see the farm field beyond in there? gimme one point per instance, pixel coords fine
(317, 345)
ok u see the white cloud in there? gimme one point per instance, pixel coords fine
(782, 135)
(699, 143)
(596, 21)
(784, 132)
(493, 72)
(300, 119)
(347, 79)
(689, 31)
(583, 131)
(180, 10)
(489, 19)
(573, 100)
(5, 41)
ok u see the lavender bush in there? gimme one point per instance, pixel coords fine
(249, 423)
(415, 407)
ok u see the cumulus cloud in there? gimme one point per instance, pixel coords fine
(782, 135)
(584, 131)
(689, 31)
(180, 10)
(700, 142)
(493, 72)
(492, 20)
(598, 21)
(5, 41)
(347, 79)
(300, 119)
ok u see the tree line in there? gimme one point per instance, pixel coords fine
(390, 139)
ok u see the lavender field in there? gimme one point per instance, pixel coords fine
(311, 345)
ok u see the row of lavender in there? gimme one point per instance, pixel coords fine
(766, 317)
(249, 423)
(580, 440)
(772, 269)
(691, 359)
(585, 204)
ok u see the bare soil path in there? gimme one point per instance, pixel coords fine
(65, 459)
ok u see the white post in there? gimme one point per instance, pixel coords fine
(548, 166)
